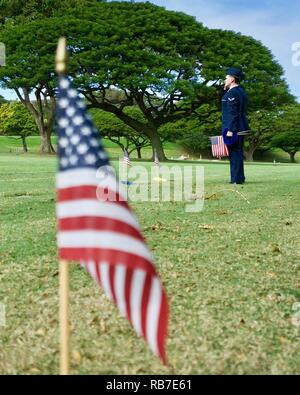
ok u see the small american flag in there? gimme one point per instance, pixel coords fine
(156, 160)
(126, 159)
(99, 231)
(218, 147)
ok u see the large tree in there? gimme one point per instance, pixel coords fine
(164, 62)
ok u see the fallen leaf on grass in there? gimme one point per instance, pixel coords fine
(222, 212)
(40, 332)
(283, 339)
(206, 226)
(214, 196)
(34, 370)
(271, 274)
(275, 248)
(76, 357)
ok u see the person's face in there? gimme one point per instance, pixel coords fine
(228, 81)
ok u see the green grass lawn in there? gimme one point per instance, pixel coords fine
(231, 273)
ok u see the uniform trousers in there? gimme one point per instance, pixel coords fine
(236, 157)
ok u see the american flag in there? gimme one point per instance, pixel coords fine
(126, 159)
(97, 228)
(156, 160)
(218, 147)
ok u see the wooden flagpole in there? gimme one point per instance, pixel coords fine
(64, 316)
(61, 69)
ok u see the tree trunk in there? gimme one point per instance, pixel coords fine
(139, 152)
(249, 154)
(292, 157)
(25, 148)
(46, 146)
(156, 145)
(39, 116)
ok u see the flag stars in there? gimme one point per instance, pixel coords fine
(70, 111)
(63, 142)
(86, 131)
(94, 142)
(81, 104)
(73, 159)
(75, 139)
(72, 93)
(64, 162)
(63, 122)
(102, 155)
(78, 120)
(90, 159)
(64, 83)
(63, 103)
(79, 141)
(82, 149)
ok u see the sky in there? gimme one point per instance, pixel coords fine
(274, 22)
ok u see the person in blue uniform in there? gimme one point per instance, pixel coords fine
(234, 123)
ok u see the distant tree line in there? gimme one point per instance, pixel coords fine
(148, 74)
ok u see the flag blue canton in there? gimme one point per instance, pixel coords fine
(79, 142)
(214, 140)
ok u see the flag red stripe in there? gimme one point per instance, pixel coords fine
(112, 269)
(98, 275)
(90, 192)
(127, 289)
(144, 304)
(111, 256)
(99, 223)
(163, 326)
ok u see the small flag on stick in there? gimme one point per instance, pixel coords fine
(218, 147)
(99, 231)
(126, 159)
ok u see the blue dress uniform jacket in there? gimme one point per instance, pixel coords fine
(234, 119)
(234, 110)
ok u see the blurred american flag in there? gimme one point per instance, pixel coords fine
(97, 227)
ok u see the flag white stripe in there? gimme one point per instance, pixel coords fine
(103, 239)
(136, 293)
(153, 311)
(94, 208)
(119, 283)
(104, 273)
